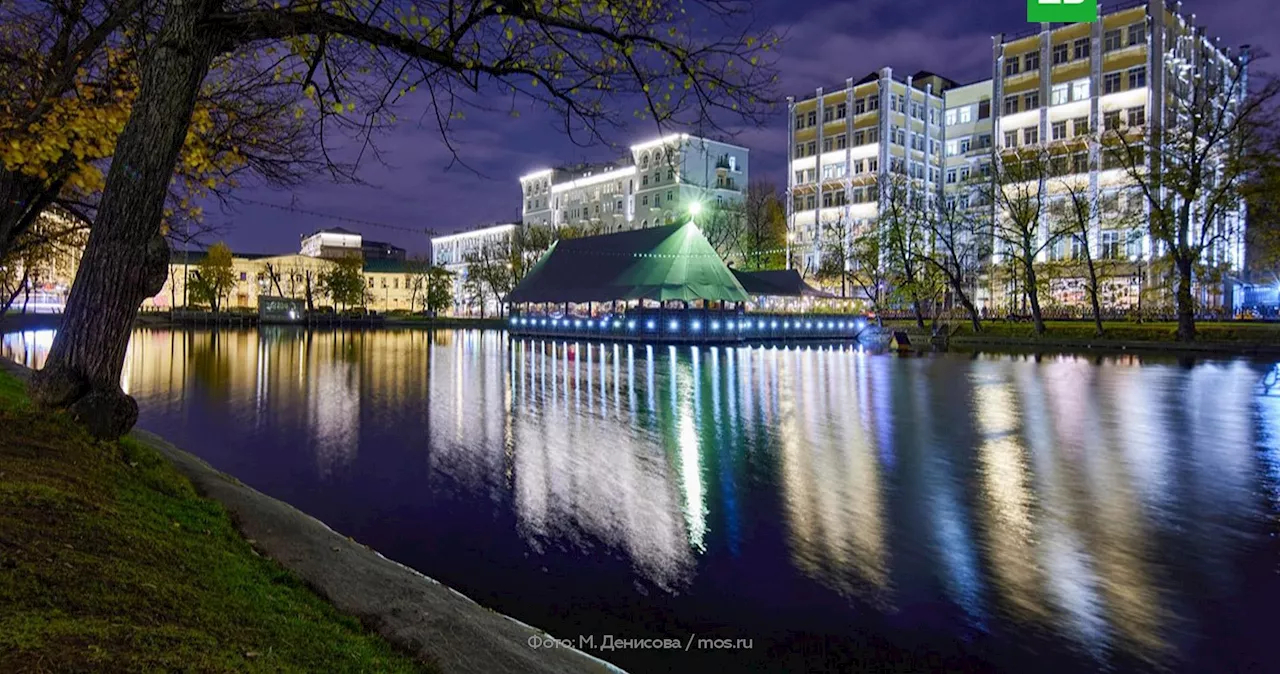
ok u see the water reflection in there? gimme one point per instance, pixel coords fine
(1053, 511)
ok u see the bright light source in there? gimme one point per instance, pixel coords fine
(697, 325)
(773, 325)
(617, 324)
(577, 324)
(675, 325)
(650, 325)
(715, 325)
(631, 325)
(695, 208)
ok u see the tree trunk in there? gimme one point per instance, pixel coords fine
(1093, 296)
(919, 312)
(126, 258)
(13, 296)
(22, 199)
(1033, 296)
(1186, 304)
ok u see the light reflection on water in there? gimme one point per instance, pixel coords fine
(1059, 511)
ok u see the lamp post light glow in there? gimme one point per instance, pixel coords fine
(695, 208)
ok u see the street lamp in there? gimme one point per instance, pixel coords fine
(1136, 258)
(695, 208)
(791, 236)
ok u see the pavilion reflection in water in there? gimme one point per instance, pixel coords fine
(1030, 490)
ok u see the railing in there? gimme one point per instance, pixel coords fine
(690, 326)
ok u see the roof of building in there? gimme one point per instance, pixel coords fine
(381, 266)
(777, 283)
(367, 243)
(193, 256)
(333, 230)
(659, 263)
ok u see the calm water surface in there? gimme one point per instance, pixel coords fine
(842, 510)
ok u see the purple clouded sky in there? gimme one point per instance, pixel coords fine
(826, 42)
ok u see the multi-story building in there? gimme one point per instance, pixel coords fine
(452, 252)
(655, 184)
(1056, 89)
(846, 144)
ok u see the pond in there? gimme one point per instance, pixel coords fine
(823, 509)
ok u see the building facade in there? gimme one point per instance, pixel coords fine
(392, 284)
(654, 184)
(452, 252)
(1056, 91)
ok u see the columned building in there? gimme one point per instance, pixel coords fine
(1055, 92)
(453, 251)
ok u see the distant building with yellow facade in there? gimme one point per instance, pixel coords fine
(394, 282)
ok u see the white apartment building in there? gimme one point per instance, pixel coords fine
(1055, 87)
(845, 144)
(654, 184)
(451, 251)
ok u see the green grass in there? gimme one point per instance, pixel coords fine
(109, 561)
(1122, 331)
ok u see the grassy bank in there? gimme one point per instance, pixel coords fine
(109, 561)
(1263, 334)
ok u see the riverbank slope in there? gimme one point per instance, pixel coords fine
(136, 556)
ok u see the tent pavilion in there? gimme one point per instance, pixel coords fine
(777, 283)
(630, 281)
(655, 265)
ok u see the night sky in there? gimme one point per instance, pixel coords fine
(825, 42)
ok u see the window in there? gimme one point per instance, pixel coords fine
(671, 173)
(1081, 50)
(964, 173)
(951, 118)
(984, 111)
(873, 102)
(644, 201)
(859, 138)
(900, 136)
(1112, 41)
(827, 144)
(1031, 136)
(244, 276)
(1012, 66)
(370, 281)
(1138, 77)
(1080, 90)
(951, 176)
(828, 115)
(842, 141)
(873, 135)
(1138, 116)
(1080, 126)
(1111, 83)
(859, 166)
(873, 165)
(1137, 34)
(917, 110)
(1060, 130)
(894, 103)
(1061, 53)
(965, 144)
(811, 148)
(1111, 245)
(842, 110)
(859, 106)
(812, 118)
(1058, 165)
(1111, 120)
(826, 200)
(799, 177)
(1010, 105)
(917, 142)
(1032, 61)
(1080, 162)
(670, 195)
(644, 180)
(1011, 139)
(799, 150)
(1031, 101)
(1061, 93)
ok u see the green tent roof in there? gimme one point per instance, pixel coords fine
(659, 263)
(777, 283)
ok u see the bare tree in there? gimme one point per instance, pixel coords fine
(1021, 228)
(902, 210)
(1191, 162)
(764, 228)
(959, 233)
